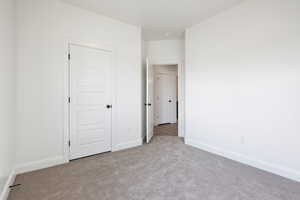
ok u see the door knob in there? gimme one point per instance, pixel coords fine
(108, 106)
(170, 101)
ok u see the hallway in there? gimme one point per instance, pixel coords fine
(166, 130)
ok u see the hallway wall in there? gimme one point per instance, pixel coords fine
(165, 50)
(7, 89)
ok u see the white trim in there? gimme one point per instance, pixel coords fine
(40, 164)
(10, 181)
(181, 98)
(66, 127)
(128, 145)
(266, 166)
(66, 117)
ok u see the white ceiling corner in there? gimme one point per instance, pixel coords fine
(160, 19)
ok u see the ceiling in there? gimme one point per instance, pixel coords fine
(160, 19)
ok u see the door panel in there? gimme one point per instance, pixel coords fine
(90, 92)
(149, 102)
(162, 105)
(165, 99)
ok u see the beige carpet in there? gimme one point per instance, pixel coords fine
(166, 169)
(166, 129)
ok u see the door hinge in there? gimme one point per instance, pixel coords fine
(69, 99)
(69, 143)
(69, 56)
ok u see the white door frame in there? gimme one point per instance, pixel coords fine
(181, 100)
(66, 117)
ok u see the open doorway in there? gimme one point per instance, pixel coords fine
(165, 100)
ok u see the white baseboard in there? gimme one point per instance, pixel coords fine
(50, 162)
(41, 164)
(128, 145)
(10, 181)
(266, 166)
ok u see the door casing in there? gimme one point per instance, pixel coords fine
(93, 146)
(66, 117)
(181, 86)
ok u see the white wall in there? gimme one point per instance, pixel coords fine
(44, 29)
(171, 52)
(7, 89)
(166, 69)
(243, 83)
(165, 51)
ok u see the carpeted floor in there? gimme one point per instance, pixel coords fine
(166, 129)
(165, 169)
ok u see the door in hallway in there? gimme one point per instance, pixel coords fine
(90, 101)
(165, 98)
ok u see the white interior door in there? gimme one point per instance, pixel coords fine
(90, 101)
(162, 110)
(149, 101)
(165, 98)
